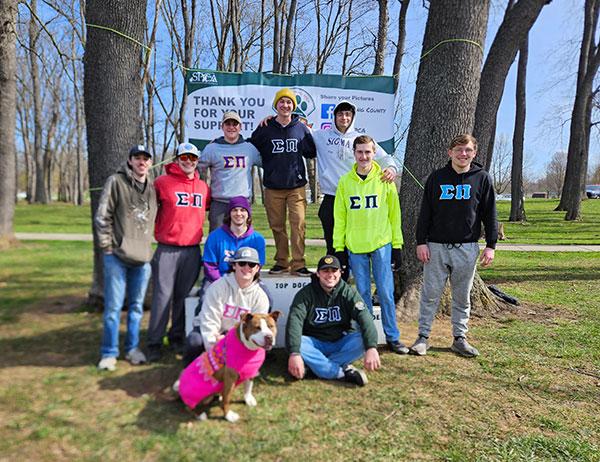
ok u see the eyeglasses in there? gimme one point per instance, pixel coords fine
(244, 263)
(186, 157)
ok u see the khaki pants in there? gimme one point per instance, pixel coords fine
(276, 203)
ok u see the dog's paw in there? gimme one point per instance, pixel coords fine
(232, 416)
(250, 400)
(202, 417)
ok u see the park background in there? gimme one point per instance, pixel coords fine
(532, 395)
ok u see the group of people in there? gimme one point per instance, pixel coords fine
(330, 323)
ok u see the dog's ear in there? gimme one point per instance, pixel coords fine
(275, 315)
(246, 317)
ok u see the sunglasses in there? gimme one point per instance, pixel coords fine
(186, 157)
(244, 263)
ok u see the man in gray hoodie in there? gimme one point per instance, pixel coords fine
(230, 159)
(124, 222)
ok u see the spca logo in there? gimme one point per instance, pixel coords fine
(203, 77)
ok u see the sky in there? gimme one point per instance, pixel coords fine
(551, 75)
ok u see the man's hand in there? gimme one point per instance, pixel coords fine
(487, 257)
(388, 175)
(296, 366)
(372, 361)
(423, 253)
(396, 259)
(108, 251)
(263, 123)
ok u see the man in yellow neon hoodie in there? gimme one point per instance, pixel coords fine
(367, 222)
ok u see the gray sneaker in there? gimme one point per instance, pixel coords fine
(136, 357)
(420, 346)
(355, 376)
(461, 347)
(108, 363)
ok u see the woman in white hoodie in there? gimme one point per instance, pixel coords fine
(225, 300)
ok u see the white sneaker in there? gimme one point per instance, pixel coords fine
(108, 363)
(420, 346)
(136, 357)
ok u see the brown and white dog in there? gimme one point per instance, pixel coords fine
(236, 358)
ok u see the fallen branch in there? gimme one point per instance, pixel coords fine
(583, 372)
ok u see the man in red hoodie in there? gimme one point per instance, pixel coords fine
(183, 199)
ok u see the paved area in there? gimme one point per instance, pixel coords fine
(321, 243)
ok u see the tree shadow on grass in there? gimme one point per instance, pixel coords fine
(72, 346)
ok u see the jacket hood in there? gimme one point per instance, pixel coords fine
(351, 127)
(175, 170)
(475, 167)
(221, 140)
(248, 232)
(231, 281)
(295, 120)
(375, 172)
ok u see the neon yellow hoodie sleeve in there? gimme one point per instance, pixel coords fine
(395, 216)
(339, 218)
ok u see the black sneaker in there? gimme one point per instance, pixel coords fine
(398, 347)
(277, 270)
(304, 272)
(154, 354)
(355, 376)
(177, 346)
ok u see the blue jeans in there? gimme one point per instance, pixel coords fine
(380, 260)
(326, 358)
(118, 277)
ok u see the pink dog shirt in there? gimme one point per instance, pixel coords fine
(197, 381)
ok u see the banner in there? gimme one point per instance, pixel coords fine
(212, 93)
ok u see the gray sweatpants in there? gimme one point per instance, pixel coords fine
(175, 269)
(456, 261)
(217, 212)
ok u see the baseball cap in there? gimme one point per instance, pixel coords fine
(139, 149)
(231, 115)
(247, 254)
(187, 148)
(329, 261)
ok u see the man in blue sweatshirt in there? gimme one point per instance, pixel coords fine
(457, 198)
(230, 159)
(283, 143)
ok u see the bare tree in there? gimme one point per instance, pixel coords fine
(401, 41)
(113, 97)
(579, 135)
(501, 165)
(8, 91)
(382, 29)
(444, 106)
(555, 173)
(519, 18)
(517, 203)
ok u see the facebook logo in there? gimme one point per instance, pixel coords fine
(327, 111)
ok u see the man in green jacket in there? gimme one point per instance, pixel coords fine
(367, 222)
(123, 224)
(319, 331)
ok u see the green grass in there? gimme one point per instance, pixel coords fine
(527, 398)
(544, 226)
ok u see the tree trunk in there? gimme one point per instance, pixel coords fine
(589, 60)
(443, 107)
(8, 117)
(113, 97)
(277, 5)
(511, 33)
(517, 205)
(401, 42)
(382, 28)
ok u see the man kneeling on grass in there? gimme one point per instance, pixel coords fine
(319, 331)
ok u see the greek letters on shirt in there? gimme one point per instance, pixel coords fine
(234, 312)
(234, 161)
(458, 192)
(185, 199)
(367, 202)
(326, 315)
(287, 145)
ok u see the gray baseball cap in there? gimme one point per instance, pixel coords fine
(247, 254)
